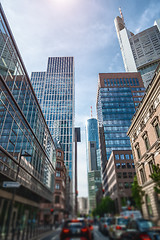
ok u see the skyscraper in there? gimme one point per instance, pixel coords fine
(140, 52)
(27, 149)
(55, 92)
(93, 156)
(93, 161)
(118, 96)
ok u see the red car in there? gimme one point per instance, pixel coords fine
(76, 229)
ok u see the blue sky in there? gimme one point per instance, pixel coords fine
(83, 29)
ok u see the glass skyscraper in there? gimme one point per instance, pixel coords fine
(93, 161)
(141, 51)
(56, 94)
(93, 157)
(27, 149)
(119, 94)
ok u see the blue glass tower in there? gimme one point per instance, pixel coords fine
(55, 92)
(118, 97)
(92, 139)
(93, 161)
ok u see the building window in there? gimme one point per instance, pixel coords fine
(122, 156)
(57, 199)
(117, 157)
(146, 140)
(126, 185)
(142, 174)
(130, 174)
(127, 156)
(123, 165)
(59, 154)
(124, 175)
(119, 175)
(149, 207)
(57, 186)
(151, 166)
(133, 165)
(58, 164)
(118, 165)
(128, 165)
(138, 150)
(58, 173)
(157, 129)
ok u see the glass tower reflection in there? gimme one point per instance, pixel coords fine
(55, 92)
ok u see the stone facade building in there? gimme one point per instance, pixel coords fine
(144, 134)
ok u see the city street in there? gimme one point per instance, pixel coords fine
(55, 235)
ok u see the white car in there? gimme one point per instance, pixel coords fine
(117, 227)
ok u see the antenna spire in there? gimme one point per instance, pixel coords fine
(121, 14)
(91, 112)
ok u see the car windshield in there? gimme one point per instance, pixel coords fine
(145, 224)
(75, 224)
(108, 220)
(122, 221)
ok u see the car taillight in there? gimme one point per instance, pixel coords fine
(105, 225)
(65, 230)
(118, 228)
(91, 228)
(84, 230)
(144, 236)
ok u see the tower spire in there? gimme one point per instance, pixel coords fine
(91, 112)
(121, 15)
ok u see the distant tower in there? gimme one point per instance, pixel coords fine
(93, 160)
(140, 52)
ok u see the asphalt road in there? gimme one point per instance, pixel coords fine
(55, 235)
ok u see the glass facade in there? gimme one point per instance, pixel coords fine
(92, 136)
(116, 107)
(93, 161)
(94, 184)
(27, 150)
(55, 93)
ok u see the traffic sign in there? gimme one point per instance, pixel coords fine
(8, 184)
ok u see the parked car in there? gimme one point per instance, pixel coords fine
(117, 226)
(141, 229)
(76, 228)
(105, 223)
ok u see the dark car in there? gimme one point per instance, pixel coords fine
(141, 229)
(76, 229)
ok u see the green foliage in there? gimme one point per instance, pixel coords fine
(137, 193)
(156, 177)
(105, 206)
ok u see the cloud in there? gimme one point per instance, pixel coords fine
(152, 11)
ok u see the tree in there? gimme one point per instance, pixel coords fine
(105, 206)
(137, 193)
(156, 177)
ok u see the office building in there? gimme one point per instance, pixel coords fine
(27, 150)
(55, 92)
(92, 141)
(93, 161)
(141, 51)
(118, 97)
(144, 134)
(118, 178)
(82, 206)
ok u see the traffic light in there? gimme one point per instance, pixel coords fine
(103, 190)
(51, 210)
(77, 192)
